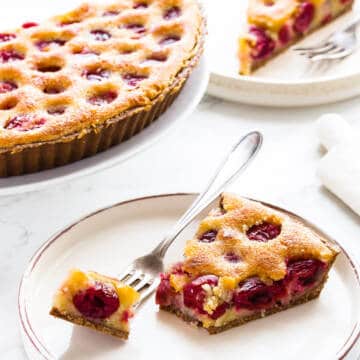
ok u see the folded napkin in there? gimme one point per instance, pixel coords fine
(339, 169)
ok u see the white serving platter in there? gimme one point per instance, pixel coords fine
(19, 11)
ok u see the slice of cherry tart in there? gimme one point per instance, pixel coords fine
(272, 26)
(96, 301)
(246, 261)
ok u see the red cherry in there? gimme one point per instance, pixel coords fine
(284, 34)
(10, 55)
(97, 74)
(172, 13)
(6, 86)
(194, 294)
(263, 232)
(28, 25)
(133, 79)
(101, 35)
(6, 37)
(103, 98)
(304, 17)
(97, 302)
(169, 40)
(254, 294)
(264, 45)
(208, 236)
(25, 123)
(43, 45)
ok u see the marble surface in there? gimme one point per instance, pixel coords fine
(283, 173)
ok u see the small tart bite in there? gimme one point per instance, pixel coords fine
(96, 301)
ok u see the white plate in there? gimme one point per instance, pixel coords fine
(180, 109)
(105, 241)
(287, 80)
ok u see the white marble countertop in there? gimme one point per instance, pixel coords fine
(284, 173)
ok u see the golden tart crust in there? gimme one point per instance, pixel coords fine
(267, 260)
(126, 55)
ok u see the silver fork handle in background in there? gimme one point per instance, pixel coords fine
(230, 168)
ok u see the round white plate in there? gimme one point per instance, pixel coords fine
(107, 240)
(288, 80)
(22, 10)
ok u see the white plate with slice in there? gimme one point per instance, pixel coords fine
(326, 328)
(19, 11)
(288, 80)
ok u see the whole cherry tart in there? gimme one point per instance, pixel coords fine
(245, 262)
(99, 302)
(272, 26)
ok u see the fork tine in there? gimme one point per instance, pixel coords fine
(147, 280)
(126, 273)
(339, 54)
(148, 291)
(137, 275)
(326, 50)
(312, 48)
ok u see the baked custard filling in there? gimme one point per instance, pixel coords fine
(95, 301)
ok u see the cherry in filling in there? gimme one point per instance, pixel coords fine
(208, 236)
(133, 79)
(302, 274)
(194, 294)
(97, 74)
(264, 45)
(25, 122)
(304, 17)
(264, 231)
(169, 40)
(100, 35)
(98, 302)
(29, 25)
(7, 86)
(141, 5)
(251, 294)
(6, 37)
(254, 294)
(172, 13)
(10, 55)
(43, 45)
(103, 98)
(136, 28)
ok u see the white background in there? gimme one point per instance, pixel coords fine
(284, 173)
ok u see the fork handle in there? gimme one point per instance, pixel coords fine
(230, 168)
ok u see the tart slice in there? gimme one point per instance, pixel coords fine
(274, 25)
(246, 261)
(96, 301)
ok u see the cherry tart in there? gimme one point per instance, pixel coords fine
(96, 301)
(89, 79)
(272, 26)
(245, 262)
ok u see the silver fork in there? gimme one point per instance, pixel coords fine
(338, 45)
(143, 272)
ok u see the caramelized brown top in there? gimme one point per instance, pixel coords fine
(79, 69)
(244, 238)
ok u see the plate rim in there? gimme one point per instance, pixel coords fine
(26, 327)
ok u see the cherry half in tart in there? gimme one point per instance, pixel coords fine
(96, 301)
(245, 262)
(272, 26)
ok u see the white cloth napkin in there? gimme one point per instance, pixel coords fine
(339, 169)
